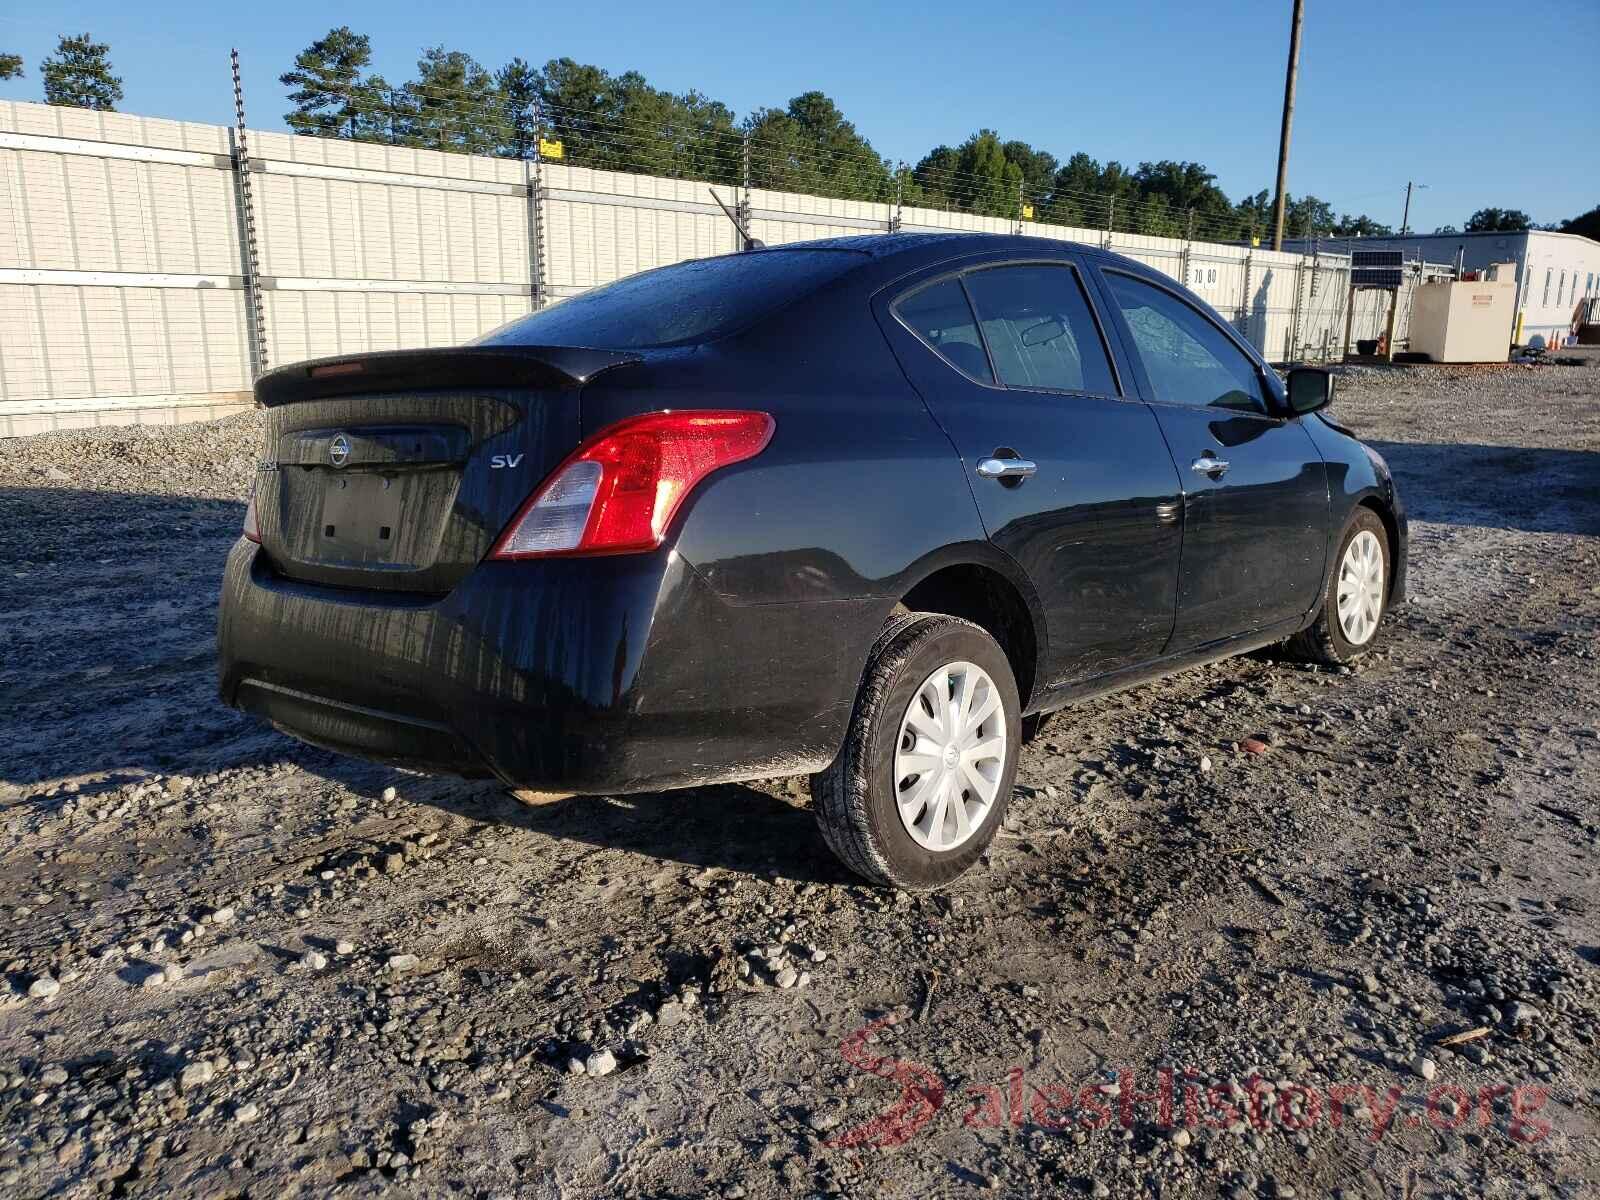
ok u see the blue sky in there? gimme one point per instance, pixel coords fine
(1480, 103)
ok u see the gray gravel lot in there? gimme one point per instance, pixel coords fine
(236, 965)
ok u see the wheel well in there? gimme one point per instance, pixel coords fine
(990, 601)
(1391, 533)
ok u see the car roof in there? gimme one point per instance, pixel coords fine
(896, 255)
(908, 251)
(886, 245)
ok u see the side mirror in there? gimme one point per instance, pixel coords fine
(1310, 388)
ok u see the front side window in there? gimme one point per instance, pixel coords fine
(1187, 358)
(1039, 328)
(942, 318)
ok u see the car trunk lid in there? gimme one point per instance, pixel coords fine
(395, 471)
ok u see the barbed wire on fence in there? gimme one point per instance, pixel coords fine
(604, 140)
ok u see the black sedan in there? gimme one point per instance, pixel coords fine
(856, 509)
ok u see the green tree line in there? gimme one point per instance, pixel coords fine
(622, 122)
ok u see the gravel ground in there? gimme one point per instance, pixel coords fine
(235, 965)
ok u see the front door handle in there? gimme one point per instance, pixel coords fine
(1006, 468)
(1206, 464)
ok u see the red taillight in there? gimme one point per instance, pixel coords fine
(618, 492)
(251, 529)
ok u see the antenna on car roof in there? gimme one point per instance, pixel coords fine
(750, 243)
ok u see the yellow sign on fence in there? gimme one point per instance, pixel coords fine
(1027, 212)
(551, 149)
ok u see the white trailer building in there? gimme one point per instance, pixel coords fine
(1555, 271)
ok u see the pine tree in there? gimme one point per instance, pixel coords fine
(979, 176)
(1254, 216)
(578, 105)
(78, 75)
(988, 179)
(688, 136)
(518, 84)
(332, 97)
(1038, 169)
(1075, 194)
(10, 66)
(621, 123)
(452, 105)
(810, 147)
(934, 177)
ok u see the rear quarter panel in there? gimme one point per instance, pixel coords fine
(857, 485)
(801, 553)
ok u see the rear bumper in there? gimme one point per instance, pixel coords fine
(600, 675)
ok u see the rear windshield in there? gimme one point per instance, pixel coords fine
(687, 302)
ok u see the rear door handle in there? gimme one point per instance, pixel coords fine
(1006, 468)
(1214, 467)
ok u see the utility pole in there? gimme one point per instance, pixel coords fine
(1405, 217)
(1288, 121)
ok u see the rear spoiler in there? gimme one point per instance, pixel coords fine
(453, 367)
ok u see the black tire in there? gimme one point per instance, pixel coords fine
(855, 796)
(1324, 641)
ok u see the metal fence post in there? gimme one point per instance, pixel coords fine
(1293, 336)
(255, 308)
(1111, 221)
(1019, 204)
(1388, 332)
(1244, 299)
(1294, 318)
(743, 206)
(899, 197)
(1188, 244)
(1349, 316)
(536, 214)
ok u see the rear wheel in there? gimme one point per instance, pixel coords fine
(1353, 606)
(921, 785)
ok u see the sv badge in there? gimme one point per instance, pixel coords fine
(505, 461)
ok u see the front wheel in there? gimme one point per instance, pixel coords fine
(921, 785)
(1353, 606)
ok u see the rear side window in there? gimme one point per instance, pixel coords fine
(688, 302)
(941, 317)
(1188, 359)
(1040, 330)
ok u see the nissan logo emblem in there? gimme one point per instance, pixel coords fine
(339, 450)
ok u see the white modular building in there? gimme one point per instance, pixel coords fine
(1555, 272)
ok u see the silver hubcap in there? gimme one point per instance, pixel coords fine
(950, 756)
(1360, 594)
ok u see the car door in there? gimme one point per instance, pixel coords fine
(1072, 479)
(1255, 490)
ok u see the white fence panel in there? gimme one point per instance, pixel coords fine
(122, 274)
(318, 324)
